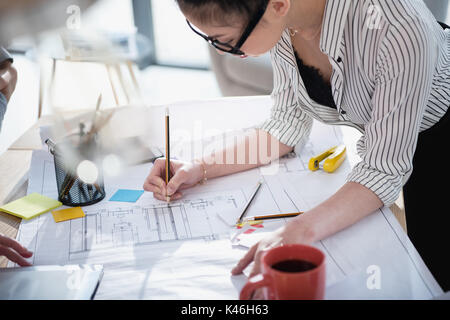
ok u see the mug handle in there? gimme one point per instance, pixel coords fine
(256, 282)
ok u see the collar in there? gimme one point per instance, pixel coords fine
(333, 24)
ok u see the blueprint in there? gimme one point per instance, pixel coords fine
(182, 250)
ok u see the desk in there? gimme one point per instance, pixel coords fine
(212, 116)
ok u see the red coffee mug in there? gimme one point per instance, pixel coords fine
(292, 285)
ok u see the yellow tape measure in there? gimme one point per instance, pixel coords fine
(334, 158)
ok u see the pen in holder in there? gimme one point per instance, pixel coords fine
(79, 175)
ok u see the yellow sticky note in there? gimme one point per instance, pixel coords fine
(68, 214)
(30, 206)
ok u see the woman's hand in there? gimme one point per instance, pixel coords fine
(351, 203)
(184, 175)
(296, 231)
(14, 251)
(8, 79)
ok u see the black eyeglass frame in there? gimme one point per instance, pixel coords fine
(228, 48)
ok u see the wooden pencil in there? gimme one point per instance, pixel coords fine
(273, 216)
(167, 152)
(247, 205)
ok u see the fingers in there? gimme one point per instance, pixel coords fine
(180, 177)
(253, 255)
(11, 243)
(257, 265)
(176, 196)
(14, 256)
(154, 182)
(245, 261)
(14, 251)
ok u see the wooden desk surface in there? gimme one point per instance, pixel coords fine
(15, 164)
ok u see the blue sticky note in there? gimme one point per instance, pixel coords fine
(125, 195)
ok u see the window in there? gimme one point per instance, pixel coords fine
(110, 15)
(174, 43)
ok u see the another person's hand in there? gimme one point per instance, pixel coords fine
(14, 251)
(184, 175)
(293, 232)
(8, 79)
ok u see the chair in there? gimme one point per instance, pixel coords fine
(113, 50)
(242, 77)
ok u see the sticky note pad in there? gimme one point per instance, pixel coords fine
(124, 195)
(68, 214)
(30, 206)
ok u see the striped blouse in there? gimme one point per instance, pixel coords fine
(390, 80)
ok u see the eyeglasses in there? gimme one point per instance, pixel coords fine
(226, 47)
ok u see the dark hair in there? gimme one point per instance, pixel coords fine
(220, 11)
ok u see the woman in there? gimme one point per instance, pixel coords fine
(9, 248)
(382, 67)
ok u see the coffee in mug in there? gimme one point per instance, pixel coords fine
(289, 272)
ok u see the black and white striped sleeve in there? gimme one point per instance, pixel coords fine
(288, 123)
(405, 62)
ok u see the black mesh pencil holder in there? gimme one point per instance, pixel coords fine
(78, 171)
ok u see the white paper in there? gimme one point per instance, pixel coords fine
(151, 250)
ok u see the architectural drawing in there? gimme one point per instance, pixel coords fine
(152, 249)
(140, 225)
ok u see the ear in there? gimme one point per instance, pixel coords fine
(279, 8)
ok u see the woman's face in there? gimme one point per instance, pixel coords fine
(264, 36)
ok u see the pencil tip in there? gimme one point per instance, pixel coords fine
(167, 111)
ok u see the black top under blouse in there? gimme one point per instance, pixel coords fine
(318, 89)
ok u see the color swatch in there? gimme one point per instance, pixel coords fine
(125, 195)
(68, 214)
